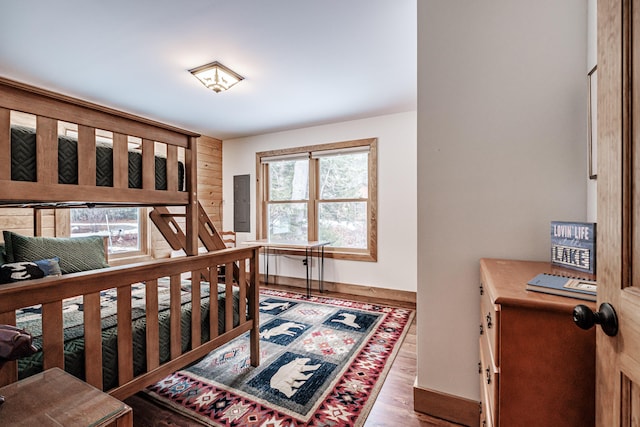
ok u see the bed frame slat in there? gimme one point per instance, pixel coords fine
(174, 314)
(213, 302)
(86, 155)
(9, 372)
(47, 150)
(254, 307)
(93, 339)
(242, 292)
(148, 165)
(153, 329)
(120, 161)
(125, 335)
(5, 143)
(196, 336)
(228, 301)
(52, 338)
(172, 168)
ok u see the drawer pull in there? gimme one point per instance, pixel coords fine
(481, 329)
(481, 289)
(489, 322)
(480, 367)
(488, 376)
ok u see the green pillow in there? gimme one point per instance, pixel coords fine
(76, 254)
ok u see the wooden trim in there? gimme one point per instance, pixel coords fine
(446, 406)
(345, 288)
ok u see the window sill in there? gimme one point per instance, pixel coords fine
(122, 260)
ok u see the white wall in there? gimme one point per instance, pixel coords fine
(501, 153)
(396, 266)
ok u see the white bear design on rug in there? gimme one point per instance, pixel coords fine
(268, 306)
(290, 377)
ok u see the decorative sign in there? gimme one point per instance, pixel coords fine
(573, 245)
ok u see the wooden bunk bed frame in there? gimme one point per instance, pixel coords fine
(49, 108)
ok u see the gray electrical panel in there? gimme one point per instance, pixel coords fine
(241, 204)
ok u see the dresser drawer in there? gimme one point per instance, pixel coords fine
(490, 325)
(489, 381)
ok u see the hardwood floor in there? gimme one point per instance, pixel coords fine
(393, 406)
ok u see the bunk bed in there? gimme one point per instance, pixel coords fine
(187, 317)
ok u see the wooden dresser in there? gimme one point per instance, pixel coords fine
(537, 368)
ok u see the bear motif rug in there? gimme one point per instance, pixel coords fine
(322, 363)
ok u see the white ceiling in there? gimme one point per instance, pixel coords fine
(305, 62)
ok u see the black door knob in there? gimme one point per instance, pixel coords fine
(605, 317)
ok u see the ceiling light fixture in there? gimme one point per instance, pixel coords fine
(216, 76)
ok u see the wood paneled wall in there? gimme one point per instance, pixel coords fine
(21, 220)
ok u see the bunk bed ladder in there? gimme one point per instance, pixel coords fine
(172, 231)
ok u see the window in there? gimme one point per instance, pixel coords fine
(323, 192)
(124, 227)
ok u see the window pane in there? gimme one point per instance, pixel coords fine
(121, 225)
(344, 224)
(288, 221)
(289, 180)
(344, 176)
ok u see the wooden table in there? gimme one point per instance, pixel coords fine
(307, 245)
(56, 398)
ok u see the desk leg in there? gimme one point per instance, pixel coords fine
(307, 262)
(321, 271)
(265, 254)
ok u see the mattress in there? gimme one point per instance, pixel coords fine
(30, 319)
(23, 162)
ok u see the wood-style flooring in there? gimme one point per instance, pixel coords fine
(393, 406)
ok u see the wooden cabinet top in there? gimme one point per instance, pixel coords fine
(506, 280)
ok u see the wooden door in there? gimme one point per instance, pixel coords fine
(618, 244)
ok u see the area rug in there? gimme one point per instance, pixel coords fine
(322, 363)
